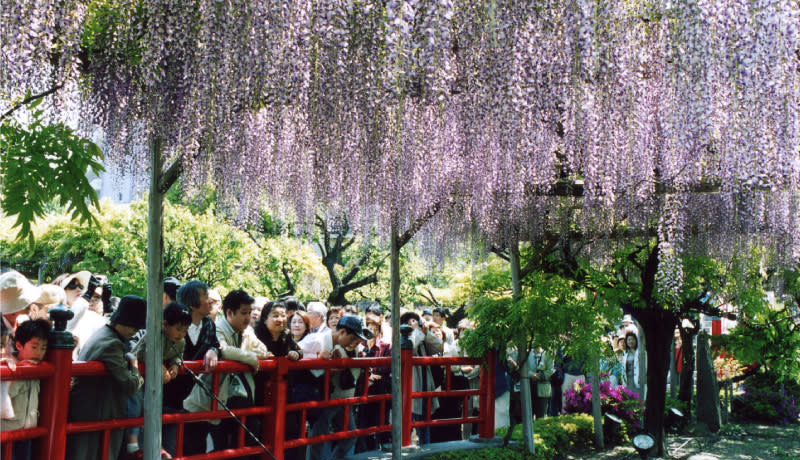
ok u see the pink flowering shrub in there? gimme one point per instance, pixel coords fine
(616, 400)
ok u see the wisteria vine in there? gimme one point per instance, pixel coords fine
(678, 115)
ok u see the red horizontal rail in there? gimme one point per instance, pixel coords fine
(97, 368)
(27, 371)
(338, 436)
(337, 402)
(276, 388)
(444, 361)
(23, 434)
(340, 363)
(167, 419)
(446, 421)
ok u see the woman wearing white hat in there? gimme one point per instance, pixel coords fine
(16, 293)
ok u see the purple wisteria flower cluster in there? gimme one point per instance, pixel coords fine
(616, 400)
(683, 117)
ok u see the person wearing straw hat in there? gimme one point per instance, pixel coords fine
(51, 297)
(16, 293)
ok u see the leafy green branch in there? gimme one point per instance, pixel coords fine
(40, 163)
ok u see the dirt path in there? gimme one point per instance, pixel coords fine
(733, 442)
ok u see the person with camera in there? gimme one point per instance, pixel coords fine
(98, 295)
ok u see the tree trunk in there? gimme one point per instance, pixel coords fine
(687, 373)
(155, 268)
(397, 396)
(658, 325)
(522, 356)
(673, 371)
(597, 413)
(337, 297)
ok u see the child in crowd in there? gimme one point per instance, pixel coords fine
(173, 331)
(31, 345)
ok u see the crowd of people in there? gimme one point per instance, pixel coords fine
(553, 373)
(199, 325)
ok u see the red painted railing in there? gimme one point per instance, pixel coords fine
(58, 368)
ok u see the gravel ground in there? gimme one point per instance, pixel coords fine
(733, 442)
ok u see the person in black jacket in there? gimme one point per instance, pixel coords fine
(201, 344)
(271, 330)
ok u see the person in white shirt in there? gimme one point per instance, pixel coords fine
(317, 315)
(349, 332)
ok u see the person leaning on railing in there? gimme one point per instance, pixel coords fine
(30, 345)
(349, 332)
(201, 344)
(105, 397)
(380, 382)
(424, 343)
(237, 390)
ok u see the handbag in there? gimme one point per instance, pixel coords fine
(239, 392)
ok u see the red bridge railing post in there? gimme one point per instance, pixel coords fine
(487, 395)
(407, 374)
(54, 394)
(280, 389)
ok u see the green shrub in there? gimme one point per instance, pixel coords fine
(765, 400)
(553, 436)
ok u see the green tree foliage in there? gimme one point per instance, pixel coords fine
(40, 163)
(197, 246)
(768, 332)
(554, 312)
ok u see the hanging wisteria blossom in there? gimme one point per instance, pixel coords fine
(681, 116)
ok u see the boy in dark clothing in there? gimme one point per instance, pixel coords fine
(201, 344)
(174, 327)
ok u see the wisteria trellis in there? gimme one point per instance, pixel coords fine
(385, 108)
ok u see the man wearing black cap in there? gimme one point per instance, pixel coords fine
(335, 343)
(105, 397)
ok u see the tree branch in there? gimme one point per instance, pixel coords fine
(500, 252)
(347, 244)
(288, 276)
(417, 225)
(432, 297)
(367, 280)
(29, 99)
(325, 246)
(169, 176)
(356, 268)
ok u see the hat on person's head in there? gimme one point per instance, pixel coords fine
(317, 307)
(131, 312)
(51, 295)
(405, 316)
(16, 292)
(427, 311)
(627, 319)
(213, 294)
(82, 276)
(353, 324)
